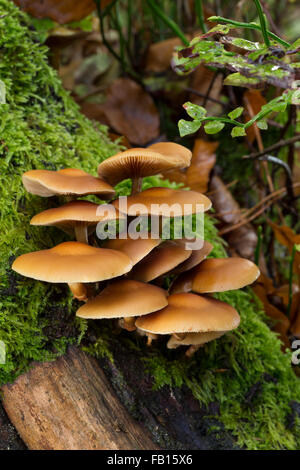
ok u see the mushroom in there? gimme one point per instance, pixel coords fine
(67, 182)
(164, 202)
(160, 261)
(73, 263)
(222, 274)
(136, 249)
(196, 257)
(216, 275)
(77, 216)
(189, 314)
(136, 163)
(125, 299)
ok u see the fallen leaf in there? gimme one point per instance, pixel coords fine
(204, 81)
(61, 11)
(243, 240)
(159, 55)
(287, 237)
(255, 100)
(129, 110)
(281, 322)
(203, 161)
(196, 177)
(295, 329)
(282, 293)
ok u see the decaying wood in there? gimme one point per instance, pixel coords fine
(69, 404)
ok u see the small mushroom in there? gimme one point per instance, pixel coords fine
(164, 202)
(160, 261)
(136, 249)
(77, 217)
(216, 275)
(73, 263)
(222, 274)
(196, 257)
(125, 299)
(189, 314)
(194, 340)
(67, 182)
(136, 163)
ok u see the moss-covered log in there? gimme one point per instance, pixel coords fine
(244, 375)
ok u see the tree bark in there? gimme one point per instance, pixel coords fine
(69, 404)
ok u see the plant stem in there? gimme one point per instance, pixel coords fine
(263, 22)
(170, 23)
(200, 16)
(240, 24)
(292, 258)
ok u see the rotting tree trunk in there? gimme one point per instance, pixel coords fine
(69, 405)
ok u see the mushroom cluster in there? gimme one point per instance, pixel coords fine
(121, 278)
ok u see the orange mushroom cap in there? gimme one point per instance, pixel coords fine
(70, 181)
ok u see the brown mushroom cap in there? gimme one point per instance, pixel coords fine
(196, 257)
(222, 274)
(124, 298)
(190, 313)
(159, 202)
(140, 162)
(72, 262)
(70, 181)
(196, 339)
(160, 261)
(183, 283)
(69, 214)
(135, 249)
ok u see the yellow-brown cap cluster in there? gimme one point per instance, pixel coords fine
(127, 274)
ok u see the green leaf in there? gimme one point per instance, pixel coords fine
(236, 112)
(2, 352)
(188, 127)
(238, 132)
(262, 124)
(212, 127)
(279, 107)
(2, 92)
(236, 79)
(194, 110)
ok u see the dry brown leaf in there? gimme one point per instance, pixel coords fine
(255, 99)
(283, 293)
(129, 111)
(160, 54)
(287, 237)
(196, 177)
(295, 329)
(281, 322)
(243, 240)
(201, 82)
(203, 161)
(61, 11)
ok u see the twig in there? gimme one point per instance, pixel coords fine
(258, 246)
(281, 143)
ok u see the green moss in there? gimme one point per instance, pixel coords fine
(41, 127)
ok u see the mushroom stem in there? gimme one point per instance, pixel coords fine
(81, 232)
(79, 291)
(150, 338)
(192, 349)
(136, 185)
(128, 323)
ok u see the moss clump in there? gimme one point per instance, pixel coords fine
(41, 127)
